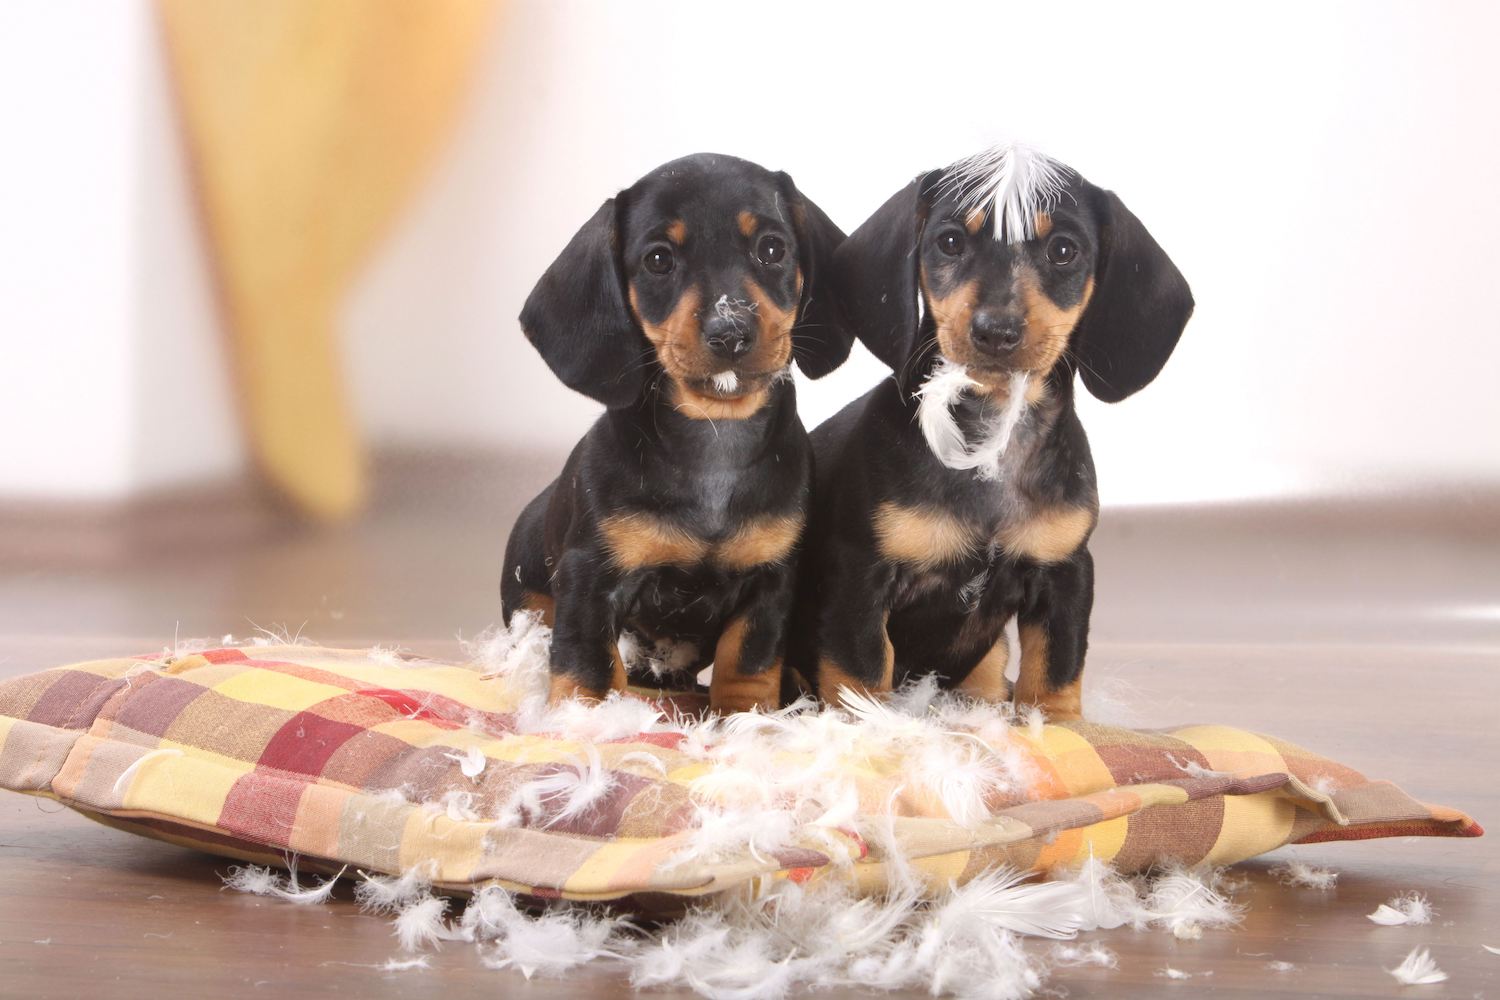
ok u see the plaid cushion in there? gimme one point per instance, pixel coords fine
(255, 752)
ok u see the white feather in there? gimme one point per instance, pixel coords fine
(405, 964)
(123, 781)
(386, 656)
(554, 942)
(1300, 873)
(644, 759)
(1324, 784)
(421, 924)
(937, 396)
(1411, 908)
(256, 880)
(1418, 970)
(1281, 966)
(726, 382)
(616, 717)
(1491, 949)
(1010, 180)
(1171, 973)
(1092, 953)
(456, 803)
(260, 881)
(1185, 901)
(1007, 899)
(517, 653)
(1107, 901)
(471, 762)
(567, 793)
(1196, 770)
(382, 894)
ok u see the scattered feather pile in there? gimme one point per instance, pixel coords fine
(762, 944)
(1418, 970)
(1299, 873)
(1411, 908)
(955, 757)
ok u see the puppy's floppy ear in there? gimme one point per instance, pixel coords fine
(578, 320)
(876, 275)
(822, 337)
(1140, 304)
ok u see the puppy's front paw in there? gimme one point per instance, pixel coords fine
(565, 688)
(1065, 704)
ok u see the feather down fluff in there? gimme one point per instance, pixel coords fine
(1300, 873)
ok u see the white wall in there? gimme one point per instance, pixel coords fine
(1323, 174)
(114, 374)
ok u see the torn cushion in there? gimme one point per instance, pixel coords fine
(364, 759)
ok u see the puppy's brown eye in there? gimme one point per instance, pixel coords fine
(1061, 250)
(658, 260)
(770, 250)
(951, 242)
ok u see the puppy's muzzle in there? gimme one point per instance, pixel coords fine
(995, 334)
(729, 334)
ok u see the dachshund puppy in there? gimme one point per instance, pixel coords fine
(961, 494)
(674, 525)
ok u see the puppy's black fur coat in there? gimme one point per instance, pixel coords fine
(677, 517)
(913, 567)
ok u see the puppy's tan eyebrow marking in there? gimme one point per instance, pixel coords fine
(974, 220)
(677, 231)
(1043, 225)
(747, 223)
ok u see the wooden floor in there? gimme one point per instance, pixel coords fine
(1368, 631)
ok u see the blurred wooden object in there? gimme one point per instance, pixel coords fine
(308, 125)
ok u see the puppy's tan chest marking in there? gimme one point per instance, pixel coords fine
(923, 537)
(759, 541)
(637, 540)
(1047, 534)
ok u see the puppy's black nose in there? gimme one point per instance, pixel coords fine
(728, 337)
(995, 334)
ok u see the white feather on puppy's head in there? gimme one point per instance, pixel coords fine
(1011, 180)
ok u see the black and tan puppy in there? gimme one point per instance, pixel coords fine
(674, 525)
(962, 494)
